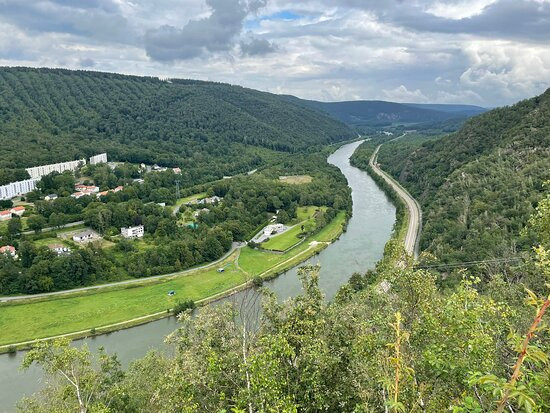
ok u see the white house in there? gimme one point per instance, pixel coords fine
(60, 249)
(273, 229)
(133, 232)
(5, 215)
(211, 200)
(86, 235)
(51, 197)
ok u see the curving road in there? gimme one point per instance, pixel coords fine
(415, 213)
(234, 247)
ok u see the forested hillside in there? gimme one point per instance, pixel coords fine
(478, 186)
(365, 114)
(209, 129)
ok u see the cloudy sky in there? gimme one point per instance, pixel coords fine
(486, 52)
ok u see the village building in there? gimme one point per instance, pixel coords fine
(60, 249)
(211, 200)
(10, 250)
(87, 189)
(177, 171)
(5, 215)
(77, 195)
(85, 236)
(18, 210)
(273, 229)
(51, 197)
(133, 232)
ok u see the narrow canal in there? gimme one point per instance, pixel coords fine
(357, 250)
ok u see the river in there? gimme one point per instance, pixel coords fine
(357, 250)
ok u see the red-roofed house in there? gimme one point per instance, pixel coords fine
(8, 249)
(87, 189)
(5, 215)
(18, 210)
(118, 188)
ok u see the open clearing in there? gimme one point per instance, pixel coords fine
(28, 320)
(296, 179)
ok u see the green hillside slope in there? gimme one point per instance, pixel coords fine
(210, 128)
(479, 185)
(364, 114)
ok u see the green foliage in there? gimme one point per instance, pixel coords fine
(182, 306)
(208, 129)
(478, 187)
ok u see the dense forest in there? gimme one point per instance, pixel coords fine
(208, 129)
(477, 187)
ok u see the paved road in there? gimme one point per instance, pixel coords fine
(69, 225)
(234, 246)
(415, 213)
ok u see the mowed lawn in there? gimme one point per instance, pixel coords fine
(29, 321)
(284, 241)
(256, 261)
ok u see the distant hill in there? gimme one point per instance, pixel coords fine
(209, 129)
(377, 113)
(479, 185)
(460, 110)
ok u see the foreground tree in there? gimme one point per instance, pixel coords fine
(75, 381)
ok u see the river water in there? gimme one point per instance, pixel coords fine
(357, 250)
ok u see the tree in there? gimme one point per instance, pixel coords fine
(57, 220)
(75, 383)
(14, 226)
(36, 223)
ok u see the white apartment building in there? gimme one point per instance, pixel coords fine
(132, 232)
(14, 189)
(101, 158)
(40, 171)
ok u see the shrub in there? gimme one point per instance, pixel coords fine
(182, 306)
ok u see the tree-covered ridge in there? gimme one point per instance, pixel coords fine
(478, 186)
(211, 129)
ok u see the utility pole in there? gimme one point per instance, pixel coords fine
(177, 189)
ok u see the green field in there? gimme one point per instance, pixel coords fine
(284, 241)
(189, 198)
(21, 322)
(28, 320)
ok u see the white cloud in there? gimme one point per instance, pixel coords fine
(327, 51)
(456, 10)
(402, 94)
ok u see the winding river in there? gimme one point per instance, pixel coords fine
(357, 250)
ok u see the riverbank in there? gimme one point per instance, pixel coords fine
(408, 222)
(125, 306)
